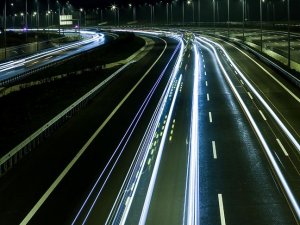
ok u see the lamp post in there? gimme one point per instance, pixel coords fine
(57, 2)
(171, 12)
(214, 15)
(243, 20)
(4, 30)
(183, 12)
(199, 11)
(289, 34)
(190, 2)
(261, 30)
(228, 17)
(167, 12)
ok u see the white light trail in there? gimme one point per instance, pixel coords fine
(146, 206)
(192, 189)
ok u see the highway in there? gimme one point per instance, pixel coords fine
(196, 132)
(10, 69)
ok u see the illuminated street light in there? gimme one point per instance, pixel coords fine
(189, 2)
(228, 17)
(115, 9)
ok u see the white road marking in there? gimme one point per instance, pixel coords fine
(207, 96)
(242, 82)
(221, 207)
(282, 147)
(214, 149)
(210, 117)
(262, 115)
(250, 95)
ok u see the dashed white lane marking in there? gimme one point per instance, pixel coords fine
(205, 73)
(206, 83)
(250, 95)
(214, 149)
(282, 147)
(221, 207)
(210, 117)
(262, 115)
(207, 96)
(242, 82)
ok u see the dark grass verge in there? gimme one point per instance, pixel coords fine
(25, 111)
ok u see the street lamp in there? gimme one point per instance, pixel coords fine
(243, 4)
(228, 17)
(261, 30)
(189, 2)
(115, 9)
(289, 34)
(4, 30)
(167, 12)
(199, 11)
(183, 12)
(214, 15)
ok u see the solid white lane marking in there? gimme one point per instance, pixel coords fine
(221, 207)
(207, 96)
(214, 149)
(250, 95)
(210, 117)
(282, 147)
(262, 115)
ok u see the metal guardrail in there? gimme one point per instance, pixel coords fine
(17, 153)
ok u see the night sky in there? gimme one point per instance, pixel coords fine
(206, 7)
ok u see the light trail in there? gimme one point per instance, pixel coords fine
(123, 203)
(192, 208)
(281, 179)
(21, 62)
(150, 190)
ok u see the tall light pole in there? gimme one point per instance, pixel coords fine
(26, 22)
(171, 12)
(190, 2)
(261, 30)
(214, 15)
(228, 17)
(289, 34)
(5, 29)
(167, 12)
(199, 12)
(183, 12)
(57, 2)
(243, 20)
